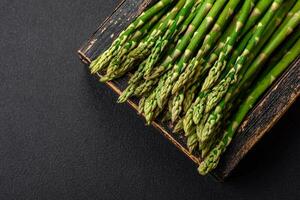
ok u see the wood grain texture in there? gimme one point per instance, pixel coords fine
(259, 121)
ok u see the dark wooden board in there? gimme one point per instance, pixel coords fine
(259, 121)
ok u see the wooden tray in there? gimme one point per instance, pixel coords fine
(259, 121)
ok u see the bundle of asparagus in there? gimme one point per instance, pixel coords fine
(203, 64)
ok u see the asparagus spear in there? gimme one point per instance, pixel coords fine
(269, 31)
(160, 45)
(196, 61)
(190, 96)
(188, 53)
(103, 60)
(162, 41)
(282, 50)
(218, 92)
(177, 105)
(133, 42)
(271, 27)
(216, 115)
(211, 161)
(138, 75)
(217, 69)
(184, 41)
(190, 18)
(198, 106)
(151, 105)
(275, 41)
(148, 40)
(214, 118)
(145, 87)
(184, 99)
(143, 50)
(209, 41)
(257, 12)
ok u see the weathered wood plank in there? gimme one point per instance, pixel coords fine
(258, 122)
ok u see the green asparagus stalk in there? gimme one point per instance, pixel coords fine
(163, 41)
(103, 60)
(271, 27)
(259, 9)
(184, 99)
(185, 40)
(190, 18)
(138, 75)
(189, 120)
(155, 55)
(178, 126)
(177, 105)
(151, 105)
(188, 53)
(211, 161)
(216, 71)
(275, 41)
(217, 114)
(199, 105)
(209, 41)
(133, 42)
(144, 48)
(145, 87)
(190, 95)
(283, 49)
(215, 117)
(218, 92)
(284, 30)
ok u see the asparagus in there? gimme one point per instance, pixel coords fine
(145, 87)
(208, 42)
(211, 161)
(103, 60)
(138, 75)
(215, 117)
(283, 49)
(184, 99)
(162, 41)
(217, 69)
(143, 50)
(133, 42)
(211, 123)
(196, 61)
(285, 29)
(173, 52)
(178, 68)
(190, 96)
(275, 41)
(198, 107)
(269, 31)
(190, 18)
(178, 127)
(154, 56)
(218, 92)
(151, 104)
(185, 40)
(177, 105)
(257, 12)
(189, 119)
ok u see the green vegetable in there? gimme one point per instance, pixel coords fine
(213, 158)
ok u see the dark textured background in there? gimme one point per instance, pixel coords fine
(62, 137)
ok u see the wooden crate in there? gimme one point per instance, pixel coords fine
(258, 122)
